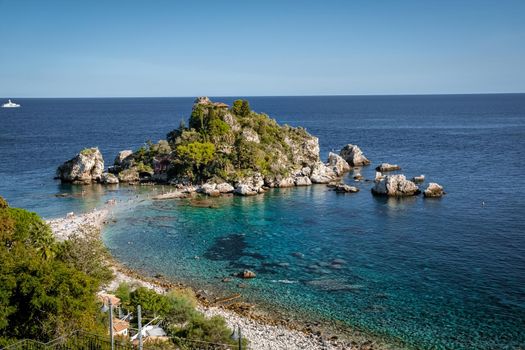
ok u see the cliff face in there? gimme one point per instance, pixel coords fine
(234, 145)
(84, 168)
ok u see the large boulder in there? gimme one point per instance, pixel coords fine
(434, 190)
(123, 158)
(85, 168)
(225, 187)
(395, 186)
(322, 174)
(210, 189)
(249, 186)
(353, 155)
(109, 179)
(338, 164)
(302, 181)
(286, 182)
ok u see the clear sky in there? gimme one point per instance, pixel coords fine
(83, 48)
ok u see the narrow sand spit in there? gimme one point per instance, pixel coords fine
(261, 335)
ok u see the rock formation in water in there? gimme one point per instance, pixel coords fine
(395, 186)
(353, 155)
(344, 188)
(231, 150)
(85, 168)
(387, 167)
(109, 179)
(338, 165)
(434, 190)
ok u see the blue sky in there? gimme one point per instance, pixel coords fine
(247, 48)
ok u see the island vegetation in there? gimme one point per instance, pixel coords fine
(225, 144)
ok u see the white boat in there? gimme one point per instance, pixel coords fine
(10, 104)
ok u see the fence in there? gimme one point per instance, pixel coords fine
(87, 341)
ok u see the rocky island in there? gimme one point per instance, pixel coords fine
(222, 150)
(233, 150)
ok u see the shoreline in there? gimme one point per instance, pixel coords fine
(261, 329)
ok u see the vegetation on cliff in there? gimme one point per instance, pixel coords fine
(227, 144)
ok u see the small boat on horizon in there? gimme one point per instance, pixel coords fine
(10, 104)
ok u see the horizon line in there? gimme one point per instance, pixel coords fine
(307, 95)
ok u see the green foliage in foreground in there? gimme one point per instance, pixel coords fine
(44, 291)
(177, 310)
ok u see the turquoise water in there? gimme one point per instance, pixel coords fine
(445, 273)
(318, 252)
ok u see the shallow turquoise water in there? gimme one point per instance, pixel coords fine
(318, 252)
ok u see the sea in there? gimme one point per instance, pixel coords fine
(444, 273)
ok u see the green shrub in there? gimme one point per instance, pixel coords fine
(41, 296)
(85, 252)
(87, 151)
(241, 108)
(213, 330)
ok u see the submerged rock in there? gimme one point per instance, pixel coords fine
(248, 274)
(170, 195)
(85, 168)
(395, 186)
(387, 167)
(353, 155)
(434, 190)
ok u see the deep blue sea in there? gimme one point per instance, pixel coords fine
(431, 274)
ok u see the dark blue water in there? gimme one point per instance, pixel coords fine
(446, 273)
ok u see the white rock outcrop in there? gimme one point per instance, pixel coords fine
(338, 165)
(209, 189)
(109, 179)
(225, 187)
(85, 168)
(434, 190)
(322, 174)
(250, 186)
(395, 186)
(353, 155)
